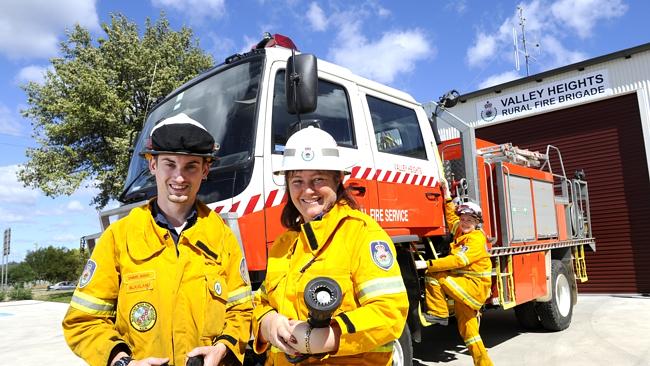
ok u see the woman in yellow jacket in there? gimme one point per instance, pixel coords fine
(327, 237)
(465, 275)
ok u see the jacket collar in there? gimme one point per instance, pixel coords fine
(146, 238)
(318, 232)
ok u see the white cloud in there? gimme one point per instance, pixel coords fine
(317, 17)
(383, 59)
(552, 24)
(499, 79)
(31, 28)
(8, 123)
(459, 6)
(74, 206)
(12, 190)
(483, 49)
(10, 217)
(248, 43)
(65, 238)
(383, 12)
(31, 73)
(582, 15)
(560, 55)
(195, 10)
(220, 46)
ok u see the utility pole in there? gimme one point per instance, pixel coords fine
(6, 249)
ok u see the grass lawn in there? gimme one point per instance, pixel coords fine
(59, 296)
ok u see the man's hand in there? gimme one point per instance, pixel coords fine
(276, 329)
(151, 361)
(212, 355)
(445, 188)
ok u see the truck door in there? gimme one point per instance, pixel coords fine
(337, 104)
(407, 171)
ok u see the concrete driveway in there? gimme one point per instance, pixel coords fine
(31, 334)
(606, 330)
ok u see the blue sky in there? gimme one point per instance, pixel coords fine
(422, 47)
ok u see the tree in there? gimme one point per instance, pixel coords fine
(20, 273)
(94, 99)
(55, 264)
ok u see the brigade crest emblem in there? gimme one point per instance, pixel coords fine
(489, 112)
(381, 254)
(307, 154)
(87, 274)
(217, 288)
(142, 316)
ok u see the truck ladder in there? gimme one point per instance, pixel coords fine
(512, 154)
(537, 247)
(505, 282)
(579, 262)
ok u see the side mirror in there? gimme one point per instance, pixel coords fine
(301, 84)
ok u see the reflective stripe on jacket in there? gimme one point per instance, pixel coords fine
(137, 290)
(347, 246)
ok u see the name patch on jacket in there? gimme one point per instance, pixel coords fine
(381, 254)
(87, 274)
(142, 316)
(139, 281)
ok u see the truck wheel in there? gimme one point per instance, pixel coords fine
(556, 314)
(403, 349)
(526, 315)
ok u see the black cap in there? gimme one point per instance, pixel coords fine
(182, 135)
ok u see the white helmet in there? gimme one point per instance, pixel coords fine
(470, 208)
(312, 149)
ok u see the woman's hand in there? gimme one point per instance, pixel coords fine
(316, 340)
(276, 329)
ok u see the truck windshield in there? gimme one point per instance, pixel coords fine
(225, 102)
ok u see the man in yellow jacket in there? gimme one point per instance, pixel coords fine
(465, 275)
(169, 280)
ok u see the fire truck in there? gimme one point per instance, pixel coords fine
(536, 217)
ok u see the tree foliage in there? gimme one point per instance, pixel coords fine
(55, 264)
(94, 99)
(20, 273)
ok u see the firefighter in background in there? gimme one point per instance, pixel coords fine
(169, 280)
(327, 236)
(465, 275)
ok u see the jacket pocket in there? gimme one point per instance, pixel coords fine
(215, 306)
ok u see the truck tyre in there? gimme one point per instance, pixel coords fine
(556, 314)
(527, 317)
(403, 349)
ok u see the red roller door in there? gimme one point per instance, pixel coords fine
(605, 139)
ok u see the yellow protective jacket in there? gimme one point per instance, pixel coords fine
(351, 248)
(468, 263)
(137, 291)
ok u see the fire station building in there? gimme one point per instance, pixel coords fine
(597, 112)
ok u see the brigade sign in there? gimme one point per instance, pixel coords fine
(545, 96)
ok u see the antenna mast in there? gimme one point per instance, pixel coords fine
(522, 24)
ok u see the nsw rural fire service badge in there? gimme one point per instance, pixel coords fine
(381, 254)
(142, 316)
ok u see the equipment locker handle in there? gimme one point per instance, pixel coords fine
(432, 196)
